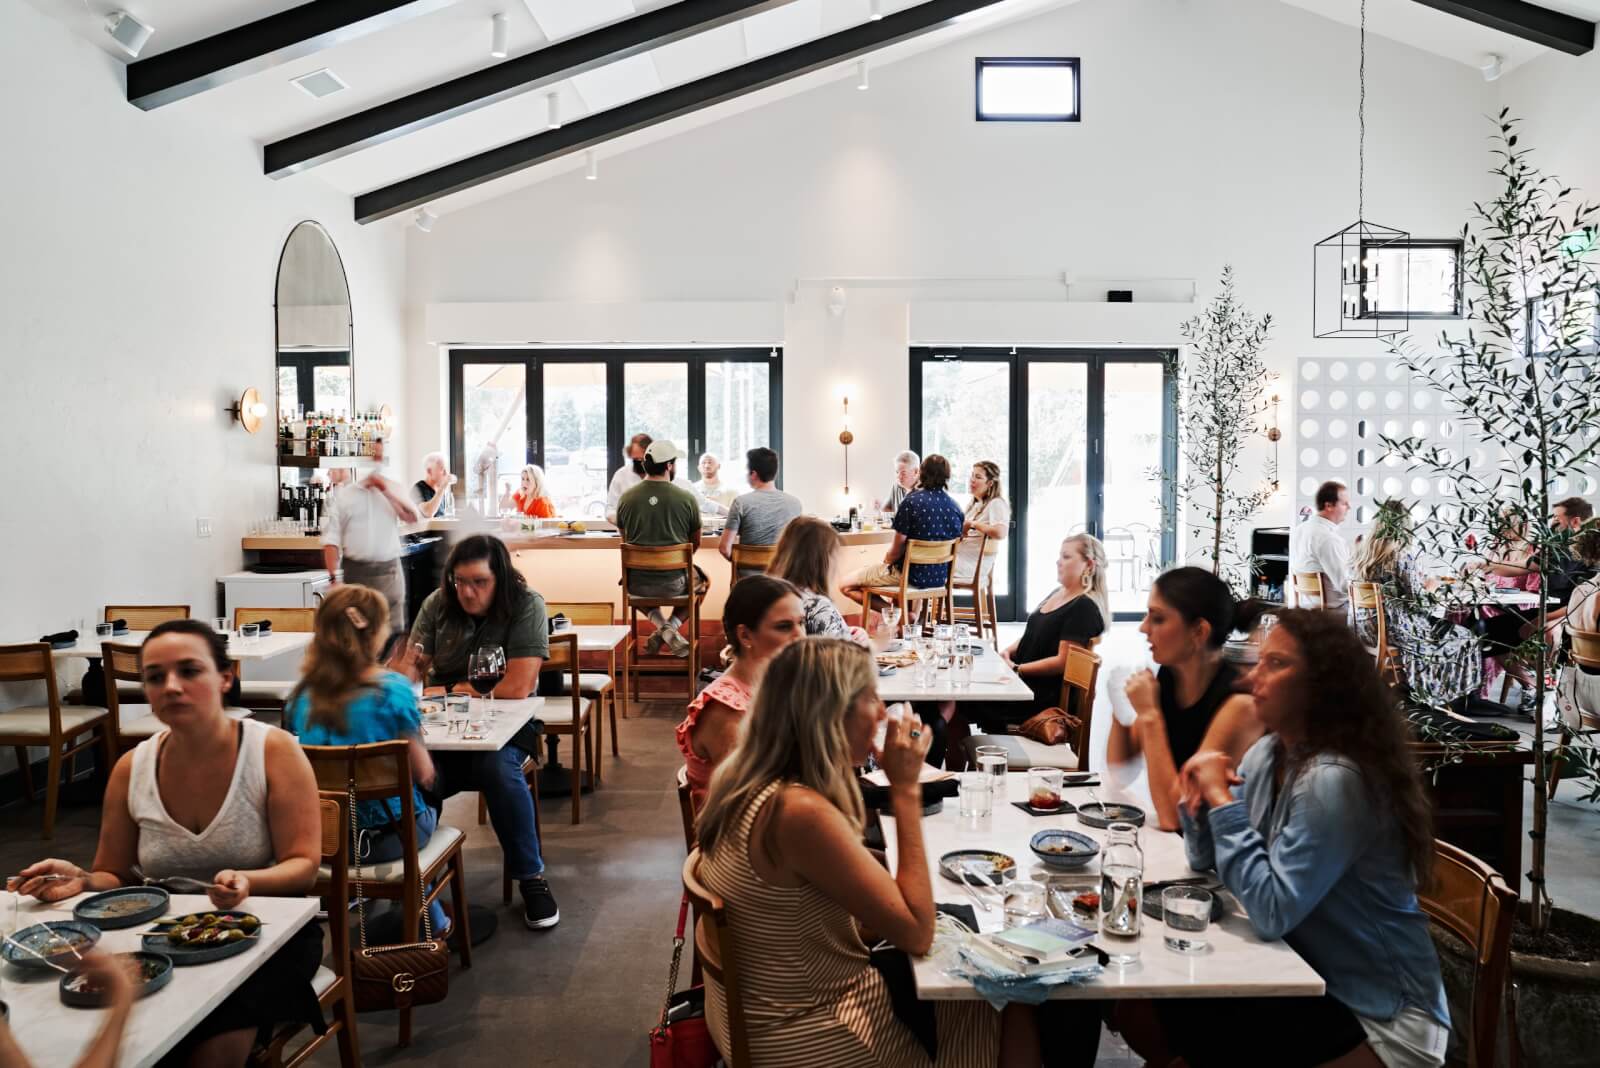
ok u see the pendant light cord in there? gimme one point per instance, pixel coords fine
(1361, 120)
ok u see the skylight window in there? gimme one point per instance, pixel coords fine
(1028, 90)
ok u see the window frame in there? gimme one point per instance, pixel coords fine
(1411, 244)
(533, 360)
(982, 62)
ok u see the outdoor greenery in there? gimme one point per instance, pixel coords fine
(1523, 378)
(1223, 391)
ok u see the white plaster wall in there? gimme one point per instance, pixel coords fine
(1213, 133)
(136, 290)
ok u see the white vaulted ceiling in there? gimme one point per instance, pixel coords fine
(454, 40)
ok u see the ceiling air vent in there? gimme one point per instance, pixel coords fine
(319, 83)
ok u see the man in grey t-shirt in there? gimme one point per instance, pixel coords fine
(758, 517)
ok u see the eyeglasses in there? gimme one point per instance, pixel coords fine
(472, 583)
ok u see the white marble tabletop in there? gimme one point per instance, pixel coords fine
(51, 1033)
(991, 681)
(595, 637)
(264, 647)
(1237, 964)
(509, 718)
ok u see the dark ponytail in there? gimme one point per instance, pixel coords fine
(1196, 594)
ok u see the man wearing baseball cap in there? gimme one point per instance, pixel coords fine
(659, 512)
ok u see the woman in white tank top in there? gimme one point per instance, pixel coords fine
(233, 804)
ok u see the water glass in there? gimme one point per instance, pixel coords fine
(249, 632)
(992, 759)
(891, 619)
(103, 630)
(220, 624)
(1044, 789)
(1187, 911)
(976, 791)
(961, 668)
(1025, 904)
(927, 662)
(456, 709)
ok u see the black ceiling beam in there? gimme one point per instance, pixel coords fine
(527, 73)
(1552, 29)
(262, 44)
(664, 106)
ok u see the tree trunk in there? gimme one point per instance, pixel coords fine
(1220, 487)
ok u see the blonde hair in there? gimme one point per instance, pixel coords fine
(352, 626)
(805, 554)
(1378, 557)
(536, 474)
(1094, 551)
(795, 734)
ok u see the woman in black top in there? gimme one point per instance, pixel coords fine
(1074, 614)
(1191, 704)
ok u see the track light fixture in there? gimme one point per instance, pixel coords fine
(499, 32)
(129, 33)
(862, 81)
(425, 220)
(594, 165)
(552, 108)
(877, 10)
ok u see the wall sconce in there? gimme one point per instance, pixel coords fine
(846, 437)
(1274, 435)
(248, 410)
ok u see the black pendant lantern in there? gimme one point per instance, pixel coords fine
(1361, 275)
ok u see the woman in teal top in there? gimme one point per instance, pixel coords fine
(345, 698)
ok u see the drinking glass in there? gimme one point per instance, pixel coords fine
(891, 619)
(927, 662)
(961, 668)
(456, 712)
(249, 632)
(1121, 892)
(1024, 904)
(913, 614)
(220, 624)
(976, 791)
(103, 630)
(1187, 911)
(1044, 789)
(992, 759)
(485, 669)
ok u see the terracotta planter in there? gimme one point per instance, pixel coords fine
(1558, 1002)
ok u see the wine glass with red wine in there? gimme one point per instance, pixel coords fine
(485, 669)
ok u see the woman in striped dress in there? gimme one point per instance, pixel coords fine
(780, 837)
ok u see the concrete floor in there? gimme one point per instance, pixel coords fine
(586, 993)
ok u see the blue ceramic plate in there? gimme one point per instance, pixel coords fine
(54, 940)
(154, 972)
(126, 906)
(184, 953)
(1066, 850)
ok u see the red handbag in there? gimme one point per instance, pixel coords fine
(681, 1039)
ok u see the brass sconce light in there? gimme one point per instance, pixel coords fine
(845, 438)
(249, 410)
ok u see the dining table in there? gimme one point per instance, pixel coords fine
(262, 647)
(1237, 962)
(482, 733)
(992, 680)
(52, 1033)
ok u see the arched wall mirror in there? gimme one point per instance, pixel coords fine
(315, 341)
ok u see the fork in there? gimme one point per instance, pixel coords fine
(179, 884)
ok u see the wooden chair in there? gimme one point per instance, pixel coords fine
(266, 695)
(982, 614)
(750, 558)
(382, 770)
(713, 947)
(938, 597)
(1585, 654)
(1079, 675)
(332, 985)
(595, 685)
(1306, 588)
(665, 559)
(1368, 597)
(570, 720)
(131, 722)
(65, 730)
(1471, 901)
(142, 617)
(686, 808)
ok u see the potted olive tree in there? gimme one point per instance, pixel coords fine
(1223, 389)
(1524, 376)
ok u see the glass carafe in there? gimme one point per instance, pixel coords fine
(1121, 892)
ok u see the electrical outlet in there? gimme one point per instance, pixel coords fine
(202, 527)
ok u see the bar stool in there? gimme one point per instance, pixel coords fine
(664, 559)
(917, 552)
(751, 558)
(55, 726)
(982, 613)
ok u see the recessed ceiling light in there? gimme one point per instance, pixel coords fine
(320, 83)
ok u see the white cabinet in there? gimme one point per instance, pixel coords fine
(294, 589)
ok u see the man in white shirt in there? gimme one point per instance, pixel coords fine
(1316, 545)
(362, 534)
(715, 498)
(628, 475)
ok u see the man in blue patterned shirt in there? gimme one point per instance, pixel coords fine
(927, 514)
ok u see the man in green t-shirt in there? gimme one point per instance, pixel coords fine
(659, 512)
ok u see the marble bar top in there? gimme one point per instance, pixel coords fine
(1237, 964)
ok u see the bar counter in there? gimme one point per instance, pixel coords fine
(588, 568)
